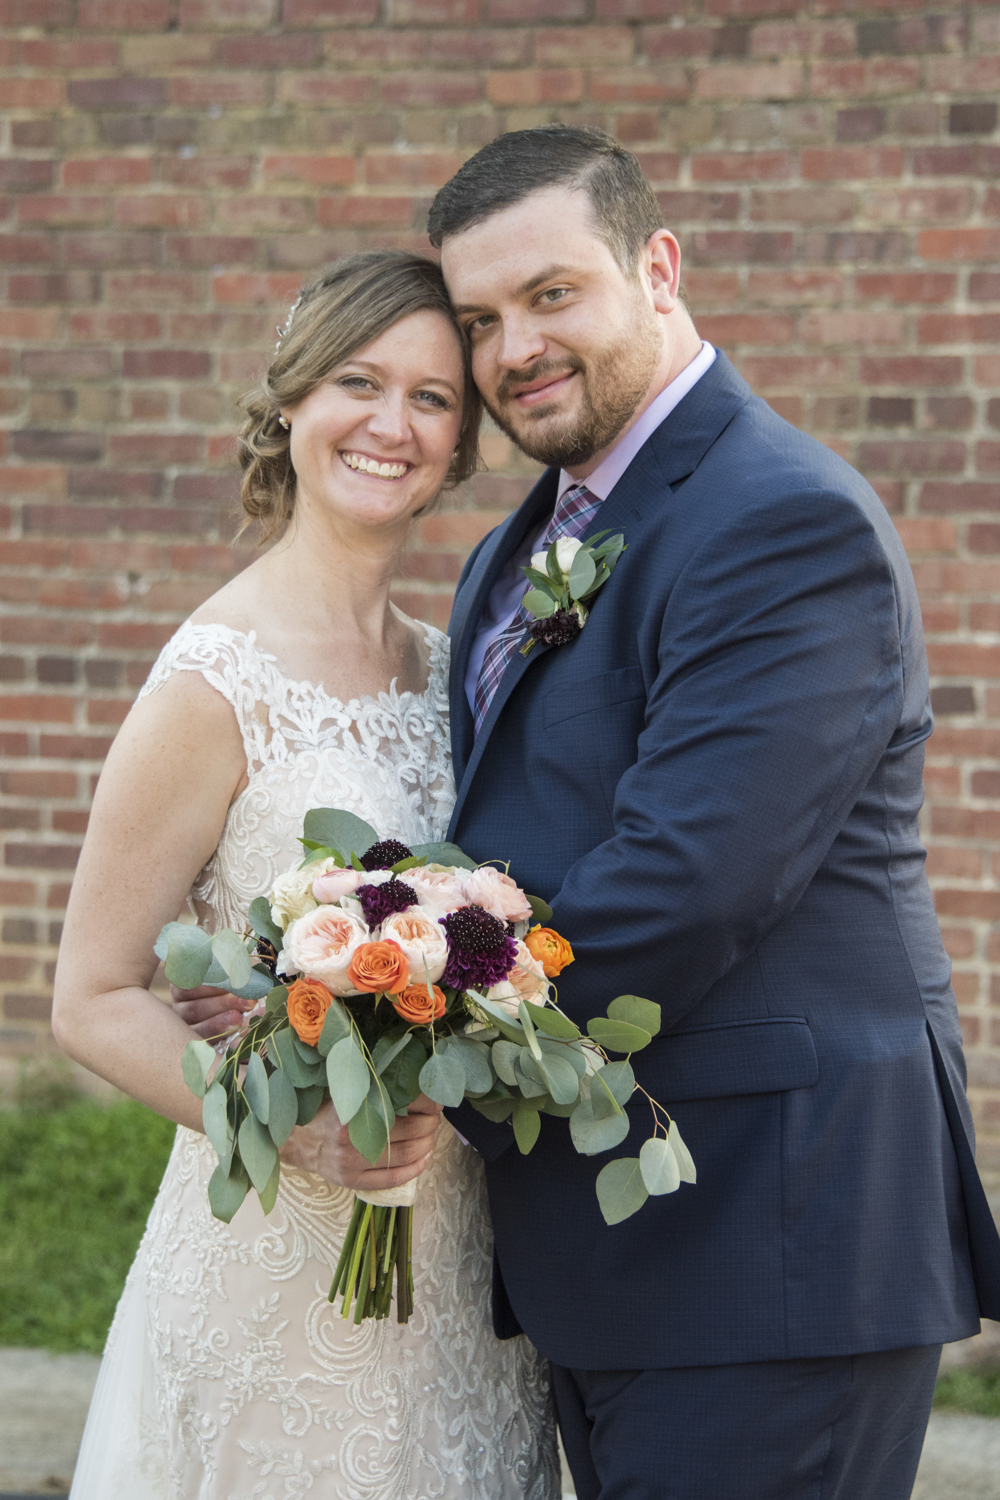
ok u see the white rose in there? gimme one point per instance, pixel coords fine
(496, 893)
(540, 562)
(422, 939)
(566, 549)
(292, 893)
(321, 945)
(526, 981)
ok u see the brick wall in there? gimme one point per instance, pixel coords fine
(173, 169)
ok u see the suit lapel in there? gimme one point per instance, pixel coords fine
(673, 452)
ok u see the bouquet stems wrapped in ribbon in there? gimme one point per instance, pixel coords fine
(385, 974)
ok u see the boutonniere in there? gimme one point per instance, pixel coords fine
(564, 579)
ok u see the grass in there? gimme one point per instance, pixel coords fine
(975, 1391)
(77, 1181)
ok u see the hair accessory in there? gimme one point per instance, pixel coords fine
(288, 322)
(284, 424)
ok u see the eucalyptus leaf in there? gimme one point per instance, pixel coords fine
(552, 1022)
(189, 954)
(445, 854)
(442, 1078)
(582, 573)
(560, 1077)
(257, 1151)
(539, 604)
(226, 1191)
(529, 1029)
(268, 1196)
(371, 1123)
(215, 1119)
(259, 915)
(528, 1076)
(339, 830)
(256, 1089)
(540, 910)
(307, 1053)
(504, 1056)
(496, 1110)
(571, 1051)
(402, 1075)
(336, 1025)
(308, 1101)
(603, 1103)
(386, 1051)
(414, 860)
(349, 1078)
(685, 1161)
(283, 1107)
(196, 1064)
(660, 1169)
(504, 1022)
(475, 1059)
(162, 945)
(275, 998)
(621, 1191)
(230, 951)
(619, 1078)
(526, 1126)
(562, 1111)
(281, 1046)
(590, 1136)
(540, 580)
(257, 986)
(618, 1036)
(635, 1011)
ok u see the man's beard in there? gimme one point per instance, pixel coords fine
(614, 383)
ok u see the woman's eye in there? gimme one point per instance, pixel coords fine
(431, 398)
(356, 383)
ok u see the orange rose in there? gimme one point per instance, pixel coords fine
(308, 1003)
(381, 968)
(414, 1004)
(552, 951)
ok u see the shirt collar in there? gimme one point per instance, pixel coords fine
(608, 472)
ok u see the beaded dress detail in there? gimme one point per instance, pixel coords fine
(227, 1373)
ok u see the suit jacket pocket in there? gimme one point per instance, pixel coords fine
(586, 694)
(717, 1062)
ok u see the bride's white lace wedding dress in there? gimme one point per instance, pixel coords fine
(227, 1373)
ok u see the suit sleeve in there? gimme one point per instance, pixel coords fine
(778, 687)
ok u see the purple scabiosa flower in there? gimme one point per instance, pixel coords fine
(480, 953)
(558, 629)
(380, 901)
(385, 854)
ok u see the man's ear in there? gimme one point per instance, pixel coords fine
(662, 266)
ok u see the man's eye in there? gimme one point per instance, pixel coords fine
(478, 325)
(554, 294)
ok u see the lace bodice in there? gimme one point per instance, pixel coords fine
(387, 759)
(228, 1375)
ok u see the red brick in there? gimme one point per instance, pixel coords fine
(18, 249)
(959, 495)
(292, 50)
(329, 12)
(805, 205)
(318, 171)
(843, 326)
(33, 93)
(209, 249)
(766, 81)
(207, 171)
(161, 211)
(269, 288)
(536, 10)
(154, 448)
(109, 249)
(63, 209)
(324, 90)
(205, 89)
(146, 289)
(42, 856)
(166, 364)
(728, 329)
(584, 46)
(101, 327)
(477, 47)
(222, 13)
(117, 93)
(911, 456)
(740, 166)
(838, 163)
(906, 287)
(535, 86)
(911, 370)
(964, 74)
(959, 244)
(435, 12)
(424, 169)
(958, 328)
(984, 905)
(123, 15)
(368, 212)
(656, 85)
(106, 171)
(422, 89)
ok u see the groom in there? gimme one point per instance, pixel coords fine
(716, 785)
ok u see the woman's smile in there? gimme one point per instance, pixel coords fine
(364, 463)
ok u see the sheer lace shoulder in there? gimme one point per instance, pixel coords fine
(386, 758)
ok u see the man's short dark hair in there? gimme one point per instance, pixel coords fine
(625, 209)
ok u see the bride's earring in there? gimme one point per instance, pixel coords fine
(284, 424)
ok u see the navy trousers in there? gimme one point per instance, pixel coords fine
(848, 1428)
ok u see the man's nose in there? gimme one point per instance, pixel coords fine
(523, 343)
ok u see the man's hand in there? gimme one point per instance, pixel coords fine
(324, 1147)
(208, 1011)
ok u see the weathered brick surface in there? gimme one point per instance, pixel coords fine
(171, 170)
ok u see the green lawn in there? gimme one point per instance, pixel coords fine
(976, 1391)
(76, 1185)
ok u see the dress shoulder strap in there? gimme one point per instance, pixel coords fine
(233, 664)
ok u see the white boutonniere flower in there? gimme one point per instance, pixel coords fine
(565, 577)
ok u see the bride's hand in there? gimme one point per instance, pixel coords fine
(324, 1147)
(208, 1011)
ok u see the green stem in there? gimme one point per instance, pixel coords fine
(362, 1302)
(352, 1274)
(346, 1248)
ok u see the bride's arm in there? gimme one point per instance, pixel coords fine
(174, 768)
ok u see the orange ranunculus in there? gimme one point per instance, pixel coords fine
(552, 951)
(381, 968)
(308, 1003)
(414, 1004)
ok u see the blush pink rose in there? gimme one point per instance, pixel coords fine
(327, 889)
(421, 938)
(496, 893)
(526, 981)
(321, 945)
(438, 891)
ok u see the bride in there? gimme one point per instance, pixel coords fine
(227, 1374)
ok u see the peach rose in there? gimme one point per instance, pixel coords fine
(380, 968)
(329, 888)
(526, 981)
(438, 891)
(422, 940)
(552, 951)
(308, 1003)
(322, 945)
(496, 893)
(414, 1004)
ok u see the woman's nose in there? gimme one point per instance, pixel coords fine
(390, 422)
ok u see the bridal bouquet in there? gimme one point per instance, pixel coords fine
(390, 972)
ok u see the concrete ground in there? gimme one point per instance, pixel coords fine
(44, 1399)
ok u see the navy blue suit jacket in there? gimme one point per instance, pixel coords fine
(716, 785)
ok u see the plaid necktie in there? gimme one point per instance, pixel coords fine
(571, 517)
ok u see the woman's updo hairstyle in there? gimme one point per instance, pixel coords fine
(347, 308)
